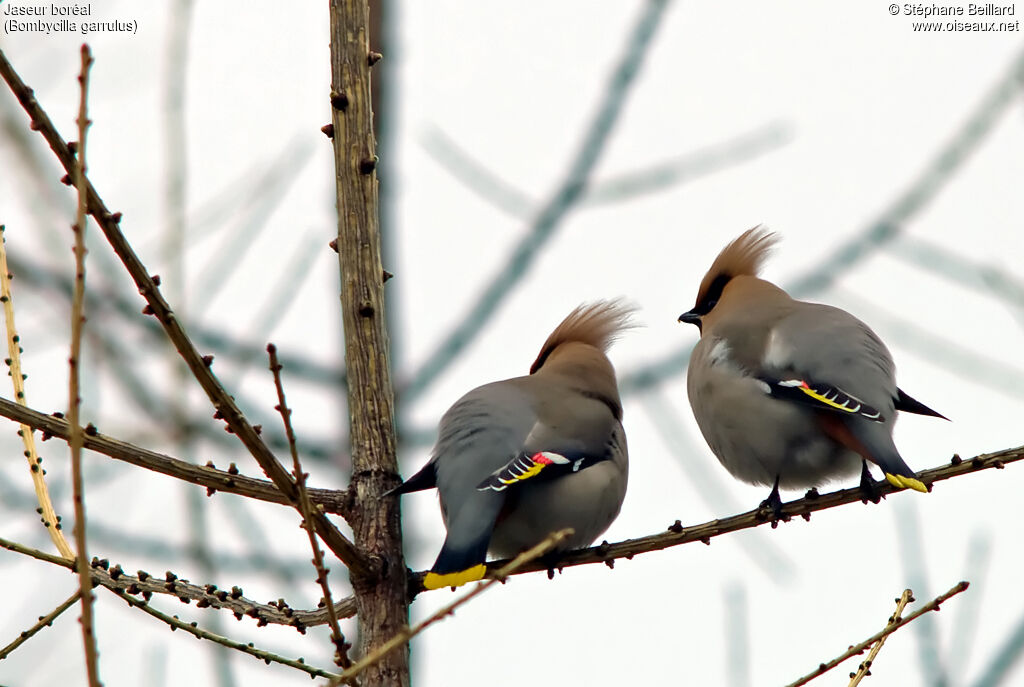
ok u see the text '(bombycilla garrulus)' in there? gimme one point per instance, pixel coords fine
(520, 459)
(788, 393)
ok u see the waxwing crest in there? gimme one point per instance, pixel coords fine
(743, 256)
(597, 324)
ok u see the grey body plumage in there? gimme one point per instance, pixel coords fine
(494, 423)
(788, 393)
(519, 459)
(727, 394)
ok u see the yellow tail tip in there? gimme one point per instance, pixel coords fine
(455, 579)
(906, 483)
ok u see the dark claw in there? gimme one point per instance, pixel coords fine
(550, 561)
(774, 504)
(868, 490)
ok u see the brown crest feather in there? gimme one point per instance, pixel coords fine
(597, 324)
(743, 255)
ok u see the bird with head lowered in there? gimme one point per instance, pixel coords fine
(520, 459)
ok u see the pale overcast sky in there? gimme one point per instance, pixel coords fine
(848, 116)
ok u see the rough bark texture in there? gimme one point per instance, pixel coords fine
(382, 601)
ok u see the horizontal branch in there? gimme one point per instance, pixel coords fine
(333, 501)
(677, 534)
(359, 564)
(206, 596)
(176, 623)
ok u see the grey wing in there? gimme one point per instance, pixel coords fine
(840, 359)
(572, 431)
(482, 432)
(547, 454)
(830, 349)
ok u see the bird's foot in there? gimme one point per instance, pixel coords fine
(773, 504)
(868, 489)
(551, 561)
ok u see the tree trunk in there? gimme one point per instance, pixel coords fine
(381, 599)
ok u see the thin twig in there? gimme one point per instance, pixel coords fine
(891, 627)
(341, 647)
(499, 575)
(49, 516)
(44, 621)
(206, 596)
(813, 502)
(74, 399)
(193, 629)
(229, 481)
(358, 563)
(864, 669)
(553, 211)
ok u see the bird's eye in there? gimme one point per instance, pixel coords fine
(710, 305)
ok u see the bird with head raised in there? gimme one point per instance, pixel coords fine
(787, 393)
(520, 459)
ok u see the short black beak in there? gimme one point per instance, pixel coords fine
(690, 318)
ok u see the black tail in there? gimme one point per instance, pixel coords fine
(453, 559)
(909, 404)
(424, 479)
(465, 548)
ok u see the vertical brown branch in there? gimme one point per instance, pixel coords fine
(341, 646)
(74, 401)
(381, 601)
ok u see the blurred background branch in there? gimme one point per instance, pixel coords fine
(550, 214)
